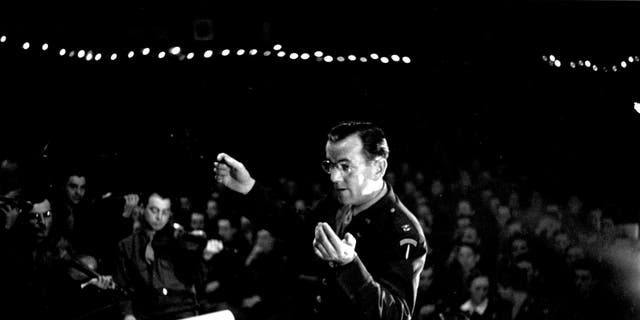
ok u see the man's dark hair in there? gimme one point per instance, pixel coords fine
(474, 275)
(73, 170)
(374, 142)
(164, 194)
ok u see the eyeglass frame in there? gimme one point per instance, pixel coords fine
(40, 215)
(327, 165)
(345, 168)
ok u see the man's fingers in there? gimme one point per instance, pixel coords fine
(224, 158)
(221, 170)
(350, 240)
(325, 243)
(321, 251)
(220, 157)
(333, 238)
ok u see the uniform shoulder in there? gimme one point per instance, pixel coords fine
(405, 224)
(407, 235)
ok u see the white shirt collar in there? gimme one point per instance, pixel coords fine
(470, 308)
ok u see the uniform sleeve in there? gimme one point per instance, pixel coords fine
(393, 294)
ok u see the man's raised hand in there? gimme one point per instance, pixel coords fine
(232, 174)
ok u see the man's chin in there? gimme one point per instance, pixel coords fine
(343, 198)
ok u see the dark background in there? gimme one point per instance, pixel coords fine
(477, 88)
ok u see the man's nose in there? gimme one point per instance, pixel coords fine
(336, 175)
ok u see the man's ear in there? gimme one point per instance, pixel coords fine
(380, 167)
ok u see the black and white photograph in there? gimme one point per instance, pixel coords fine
(323, 160)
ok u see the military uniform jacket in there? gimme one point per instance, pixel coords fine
(382, 281)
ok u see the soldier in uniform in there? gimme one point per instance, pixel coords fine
(368, 249)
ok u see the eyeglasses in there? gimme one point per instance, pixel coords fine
(344, 168)
(41, 215)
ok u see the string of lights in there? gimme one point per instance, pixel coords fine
(183, 54)
(590, 64)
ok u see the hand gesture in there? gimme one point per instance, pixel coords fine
(213, 247)
(130, 204)
(232, 174)
(330, 248)
(10, 213)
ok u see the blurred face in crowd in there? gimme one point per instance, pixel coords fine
(528, 269)
(212, 209)
(355, 180)
(514, 200)
(409, 188)
(575, 253)
(547, 226)
(494, 204)
(595, 219)
(486, 195)
(464, 208)
(197, 221)
(470, 235)
(479, 289)
(467, 257)
(425, 217)
(426, 278)
(225, 230)
(157, 212)
(503, 215)
(463, 222)
(437, 188)
(40, 219)
(561, 242)
(185, 204)
(465, 179)
(265, 240)
(583, 280)
(608, 226)
(574, 205)
(514, 227)
(75, 189)
(519, 247)
(505, 292)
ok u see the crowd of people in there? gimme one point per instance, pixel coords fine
(497, 249)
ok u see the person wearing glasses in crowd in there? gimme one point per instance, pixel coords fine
(39, 274)
(367, 248)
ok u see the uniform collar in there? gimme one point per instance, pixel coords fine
(381, 193)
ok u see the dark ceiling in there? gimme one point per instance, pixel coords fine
(477, 73)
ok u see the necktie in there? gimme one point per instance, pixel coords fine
(343, 219)
(149, 255)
